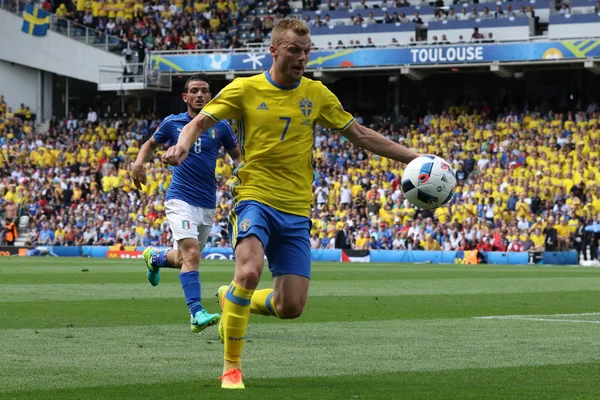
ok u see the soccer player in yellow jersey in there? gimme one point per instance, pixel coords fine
(275, 112)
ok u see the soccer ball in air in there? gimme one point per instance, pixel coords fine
(428, 182)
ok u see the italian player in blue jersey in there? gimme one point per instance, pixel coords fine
(191, 197)
(275, 112)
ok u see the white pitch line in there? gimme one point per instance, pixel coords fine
(547, 319)
(536, 315)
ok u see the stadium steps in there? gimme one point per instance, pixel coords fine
(99, 46)
(23, 230)
(43, 126)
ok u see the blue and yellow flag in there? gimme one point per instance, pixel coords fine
(459, 257)
(466, 257)
(35, 21)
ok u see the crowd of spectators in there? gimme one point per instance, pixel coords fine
(165, 24)
(231, 24)
(398, 12)
(527, 180)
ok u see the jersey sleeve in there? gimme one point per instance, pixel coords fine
(228, 138)
(333, 115)
(227, 104)
(163, 133)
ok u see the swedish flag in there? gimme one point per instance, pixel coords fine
(35, 21)
(459, 257)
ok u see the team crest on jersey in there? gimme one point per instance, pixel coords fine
(213, 133)
(306, 107)
(245, 224)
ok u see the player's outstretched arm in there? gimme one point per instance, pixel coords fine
(145, 154)
(372, 141)
(175, 155)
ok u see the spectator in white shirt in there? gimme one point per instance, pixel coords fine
(474, 14)
(463, 16)
(399, 242)
(561, 208)
(320, 139)
(447, 246)
(483, 161)
(523, 224)
(110, 26)
(88, 19)
(92, 117)
(71, 122)
(345, 194)
(499, 13)
(322, 193)
(315, 242)
(414, 231)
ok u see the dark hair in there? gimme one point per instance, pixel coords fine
(199, 77)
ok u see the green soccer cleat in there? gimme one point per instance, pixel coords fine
(152, 273)
(220, 295)
(203, 320)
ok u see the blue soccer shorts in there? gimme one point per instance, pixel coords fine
(285, 237)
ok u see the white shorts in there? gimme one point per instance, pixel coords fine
(187, 221)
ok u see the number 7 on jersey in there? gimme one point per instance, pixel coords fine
(287, 125)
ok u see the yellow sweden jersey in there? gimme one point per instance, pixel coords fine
(275, 130)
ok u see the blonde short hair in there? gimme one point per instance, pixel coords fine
(298, 26)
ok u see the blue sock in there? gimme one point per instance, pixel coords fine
(159, 259)
(190, 282)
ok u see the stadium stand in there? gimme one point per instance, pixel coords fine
(501, 29)
(574, 26)
(177, 25)
(524, 177)
(511, 21)
(224, 24)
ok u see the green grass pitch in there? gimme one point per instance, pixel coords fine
(95, 329)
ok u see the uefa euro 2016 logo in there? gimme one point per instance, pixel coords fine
(306, 107)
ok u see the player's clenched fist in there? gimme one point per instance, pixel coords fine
(175, 155)
(139, 175)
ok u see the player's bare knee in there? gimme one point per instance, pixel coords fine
(249, 256)
(289, 311)
(247, 275)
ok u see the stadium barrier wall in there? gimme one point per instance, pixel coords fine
(331, 255)
(560, 257)
(418, 55)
